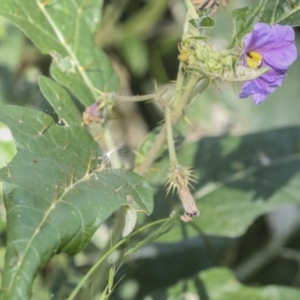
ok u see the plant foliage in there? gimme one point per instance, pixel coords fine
(62, 185)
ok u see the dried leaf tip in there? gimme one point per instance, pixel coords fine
(179, 178)
(188, 203)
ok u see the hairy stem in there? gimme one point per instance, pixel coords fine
(170, 139)
(116, 97)
(178, 104)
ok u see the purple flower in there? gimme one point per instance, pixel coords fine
(268, 46)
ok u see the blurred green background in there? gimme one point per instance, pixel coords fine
(141, 38)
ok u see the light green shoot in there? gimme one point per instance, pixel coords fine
(110, 284)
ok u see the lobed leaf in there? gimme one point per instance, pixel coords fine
(56, 192)
(65, 30)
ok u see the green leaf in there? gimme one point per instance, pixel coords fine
(239, 179)
(208, 22)
(266, 11)
(60, 100)
(190, 29)
(220, 284)
(65, 30)
(56, 194)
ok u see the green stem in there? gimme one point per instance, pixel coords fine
(199, 89)
(152, 153)
(170, 139)
(100, 275)
(181, 101)
(110, 251)
(120, 98)
(178, 105)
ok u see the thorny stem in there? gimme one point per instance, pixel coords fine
(170, 139)
(110, 251)
(181, 100)
(116, 97)
(203, 85)
(174, 111)
(178, 105)
(179, 176)
(187, 93)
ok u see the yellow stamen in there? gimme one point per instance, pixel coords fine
(253, 60)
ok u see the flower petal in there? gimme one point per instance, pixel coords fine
(276, 44)
(262, 86)
(282, 51)
(259, 38)
(257, 88)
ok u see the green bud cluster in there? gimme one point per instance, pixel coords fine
(198, 58)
